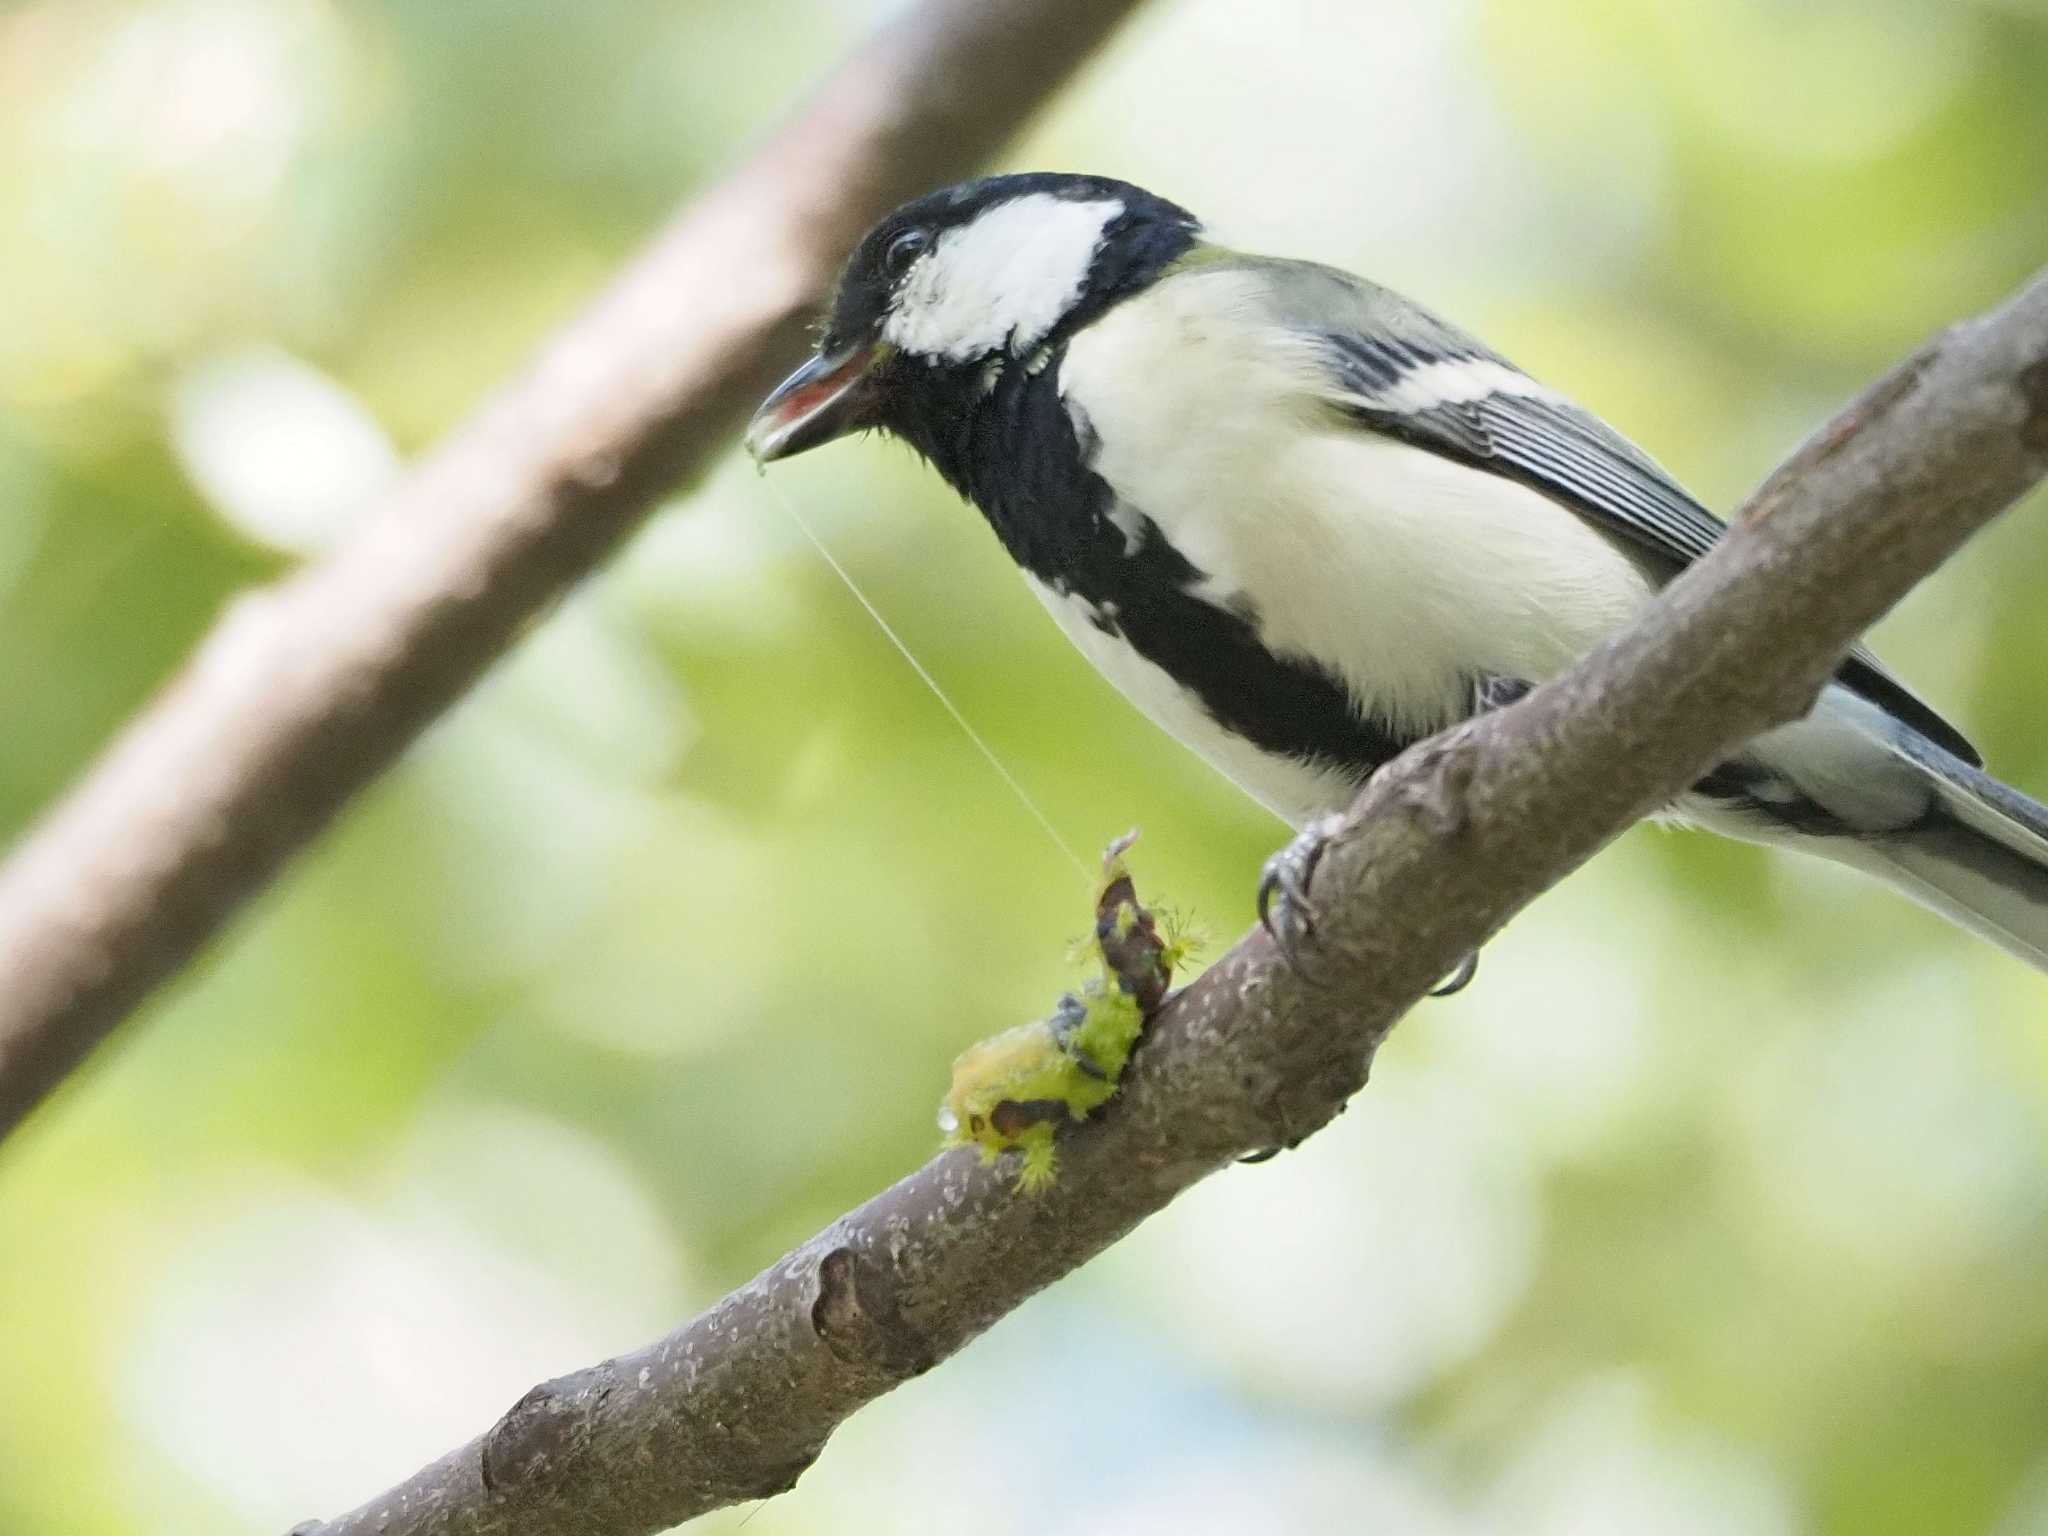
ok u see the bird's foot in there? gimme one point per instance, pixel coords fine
(1285, 910)
(1289, 916)
(1459, 979)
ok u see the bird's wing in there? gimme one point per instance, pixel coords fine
(1398, 369)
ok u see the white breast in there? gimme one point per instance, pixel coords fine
(1402, 572)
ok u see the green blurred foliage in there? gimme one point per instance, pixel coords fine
(1720, 1204)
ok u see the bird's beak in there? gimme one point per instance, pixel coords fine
(830, 396)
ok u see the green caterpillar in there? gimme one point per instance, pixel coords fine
(1015, 1090)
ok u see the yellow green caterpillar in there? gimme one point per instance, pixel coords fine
(1015, 1090)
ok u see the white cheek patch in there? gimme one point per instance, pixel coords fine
(1001, 282)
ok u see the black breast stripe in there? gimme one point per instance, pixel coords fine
(1021, 458)
(1283, 705)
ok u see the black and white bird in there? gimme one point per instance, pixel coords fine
(1301, 522)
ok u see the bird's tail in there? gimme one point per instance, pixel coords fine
(1978, 855)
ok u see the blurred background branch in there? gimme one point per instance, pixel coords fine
(305, 691)
(1439, 851)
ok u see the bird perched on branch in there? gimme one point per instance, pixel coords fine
(1302, 522)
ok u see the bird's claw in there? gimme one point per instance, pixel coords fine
(1285, 910)
(1289, 916)
(1459, 979)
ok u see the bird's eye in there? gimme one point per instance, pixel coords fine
(902, 250)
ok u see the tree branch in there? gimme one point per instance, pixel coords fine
(1441, 848)
(305, 692)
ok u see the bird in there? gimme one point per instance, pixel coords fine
(1302, 522)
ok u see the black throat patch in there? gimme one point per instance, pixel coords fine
(1012, 446)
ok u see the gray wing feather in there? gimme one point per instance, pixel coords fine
(1373, 339)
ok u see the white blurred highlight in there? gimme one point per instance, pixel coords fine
(1397, 151)
(302, 1353)
(1581, 1079)
(283, 453)
(1599, 1464)
(1354, 1271)
(1892, 1143)
(1317, 1485)
(211, 91)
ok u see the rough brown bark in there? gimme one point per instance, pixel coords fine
(306, 691)
(1441, 848)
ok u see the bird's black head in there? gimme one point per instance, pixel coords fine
(948, 291)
